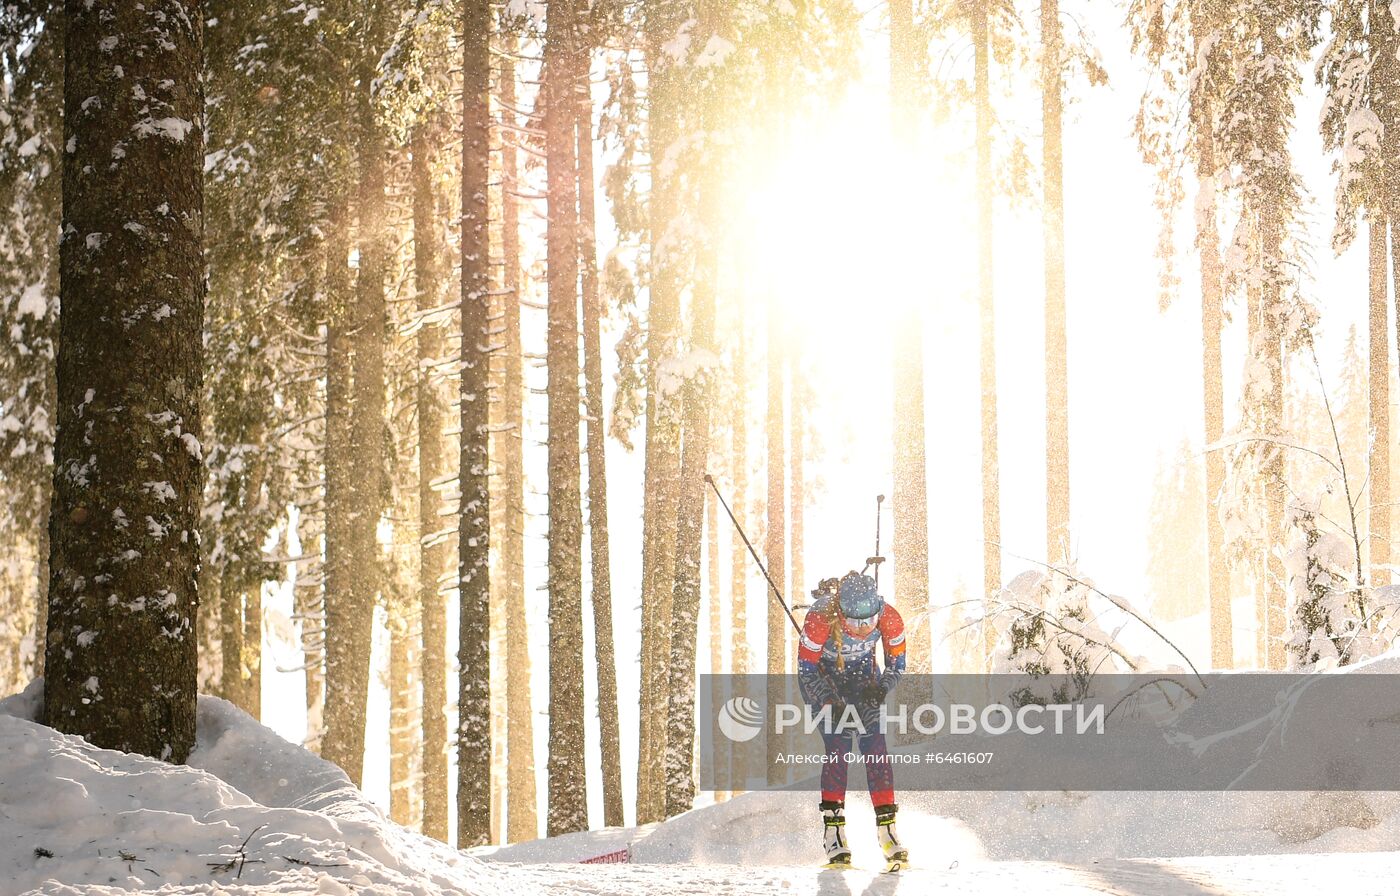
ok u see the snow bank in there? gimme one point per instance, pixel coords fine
(250, 813)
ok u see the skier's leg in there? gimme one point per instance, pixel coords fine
(879, 777)
(879, 771)
(833, 804)
(838, 744)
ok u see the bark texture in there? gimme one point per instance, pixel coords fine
(433, 555)
(474, 519)
(124, 541)
(522, 813)
(599, 557)
(568, 796)
(1378, 528)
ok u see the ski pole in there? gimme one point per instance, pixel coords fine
(879, 502)
(709, 480)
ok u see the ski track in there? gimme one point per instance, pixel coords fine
(1362, 874)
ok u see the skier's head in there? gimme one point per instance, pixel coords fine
(860, 603)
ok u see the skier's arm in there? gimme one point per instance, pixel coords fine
(815, 686)
(892, 637)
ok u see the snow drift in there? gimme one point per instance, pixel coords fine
(249, 811)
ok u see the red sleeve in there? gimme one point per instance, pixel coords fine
(892, 631)
(815, 630)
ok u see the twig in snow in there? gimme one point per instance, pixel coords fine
(240, 859)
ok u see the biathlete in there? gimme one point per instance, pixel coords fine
(837, 669)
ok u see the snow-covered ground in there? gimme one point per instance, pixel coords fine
(252, 813)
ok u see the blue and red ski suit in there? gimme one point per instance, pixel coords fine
(837, 669)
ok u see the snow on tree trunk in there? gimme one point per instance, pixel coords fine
(121, 653)
(433, 549)
(31, 186)
(600, 560)
(690, 513)
(473, 540)
(662, 452)
(522, 812)
(568, 795)
(350, 612)
(405, 720)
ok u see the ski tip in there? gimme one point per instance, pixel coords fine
(895, 867)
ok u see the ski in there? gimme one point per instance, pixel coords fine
(839, 863)
(894, 866)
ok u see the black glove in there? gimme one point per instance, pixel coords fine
(873, 693)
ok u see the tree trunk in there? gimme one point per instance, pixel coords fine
(306, 601)
(231, 638)
(662, 459)
(522, 813)
(433, 556)
(1057, 531)
(739, 561)
(690, 516)
(252, 651)
(474, 513)
(600, 562)
(1273, 314)
(775, 545)
(568, 796)
(350, 615)
(121, 653)
(716, 599)
(1378, 528)
(41, 590)
(909, 498)
(739, 475)
(339, 465)
(404, 720)
(1222, 651)
(797, 489)
(1385, 75)
(991, 488)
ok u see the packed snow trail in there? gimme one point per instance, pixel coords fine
(1369, 874)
